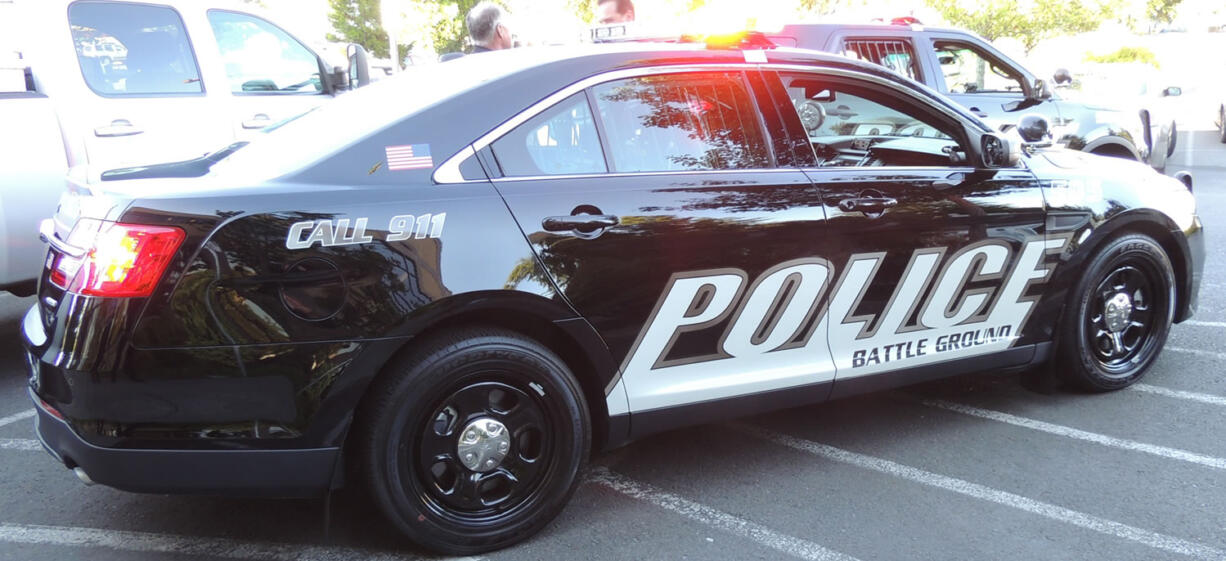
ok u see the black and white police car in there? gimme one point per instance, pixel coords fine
(457, 284)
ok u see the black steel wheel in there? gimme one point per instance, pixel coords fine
(1119, 315)
(474, 440)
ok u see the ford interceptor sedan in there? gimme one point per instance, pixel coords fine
(457, 284)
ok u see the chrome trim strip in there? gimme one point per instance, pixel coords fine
(449, 172)
(540, 106)
(46, 232)
(644, 174)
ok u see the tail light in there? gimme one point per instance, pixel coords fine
(123, 260)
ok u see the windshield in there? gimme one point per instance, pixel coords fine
(317, 134)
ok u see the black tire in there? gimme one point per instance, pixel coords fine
(410, 425)
(1118, 316)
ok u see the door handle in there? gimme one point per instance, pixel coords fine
(257, 122)
(871, 204)
(118, 127)
(585, 223)
(978, 113)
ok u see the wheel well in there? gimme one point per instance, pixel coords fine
(1114, 151)
(544, 332)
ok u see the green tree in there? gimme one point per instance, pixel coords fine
(1028, 22)
(359, 21)
(1161, 11)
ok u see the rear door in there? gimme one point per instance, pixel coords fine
(147, 101)
(269, 74)
(659, 206)
(939, 259)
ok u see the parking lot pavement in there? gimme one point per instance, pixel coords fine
(974, 467)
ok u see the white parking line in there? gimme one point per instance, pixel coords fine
(19, 444)
(148, 542)
(1197, 352)
(16, 417)
(1179, 394)
(1204, 323)
(975, 490)
(1078, 434)
(712, 517)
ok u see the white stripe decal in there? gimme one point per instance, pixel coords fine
(975, 490)
(711, 517)
(1204, 323)
(148, 542)
(16, 417)
(1197, 352)
(1078, 434)
(1179, 394)
(19, 444)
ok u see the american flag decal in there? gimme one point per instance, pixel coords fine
(409, 156)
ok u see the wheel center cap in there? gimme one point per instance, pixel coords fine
(483, 444)
(1117, 312)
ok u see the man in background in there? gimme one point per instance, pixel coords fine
(487, 26)
(614, 11)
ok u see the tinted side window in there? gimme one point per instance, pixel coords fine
(261, 58)
(968, 70)
(669, 122)
(560, 141)
(127, 49)
(895, 54)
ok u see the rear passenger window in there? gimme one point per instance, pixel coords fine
(132, 49)
(895, 54)
(560, 141)
(671, 122)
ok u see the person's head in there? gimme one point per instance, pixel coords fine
(614, 11)
(487, 25)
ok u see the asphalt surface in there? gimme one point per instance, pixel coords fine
(974, 467)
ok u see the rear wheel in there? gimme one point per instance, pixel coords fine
(1119, 315)
(475, 441)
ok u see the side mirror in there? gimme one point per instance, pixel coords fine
(359, 69)
(1062, 76)
(1172, 91)
(998, 152)
(1034, 130)
(1040, 90)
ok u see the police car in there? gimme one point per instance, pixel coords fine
(454, 286)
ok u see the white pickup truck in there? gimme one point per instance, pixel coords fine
(113, 84)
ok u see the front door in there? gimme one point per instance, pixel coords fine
(939, 259)
(660, 209)
(270, 75)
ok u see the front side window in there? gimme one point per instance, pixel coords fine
(560, 141)
(133, 49)
(675, 122)
(968, 70)
(851, 124)
(895, 54)
(260, 58)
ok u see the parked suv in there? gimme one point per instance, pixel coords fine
(114, 84)
(969, 70)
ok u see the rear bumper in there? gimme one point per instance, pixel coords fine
(282, 473)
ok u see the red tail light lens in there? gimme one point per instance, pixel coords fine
(126, 260)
